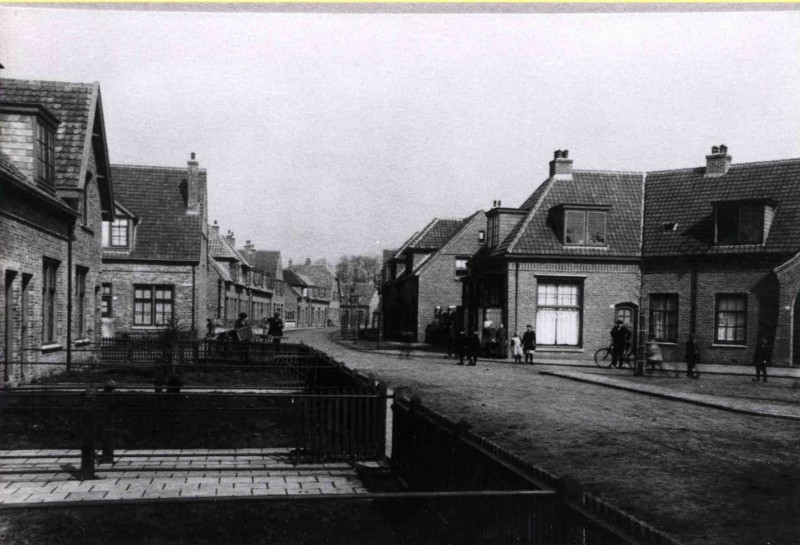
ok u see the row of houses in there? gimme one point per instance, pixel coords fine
(91, 249)
(711, 250)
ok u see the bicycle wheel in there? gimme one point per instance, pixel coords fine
(602, 358)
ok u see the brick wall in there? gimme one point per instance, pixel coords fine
(17, 139)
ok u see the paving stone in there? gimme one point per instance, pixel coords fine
(304, 491)
(303, 479)
(84, 496)
(287, 486)
(52, 497)
(104, 485)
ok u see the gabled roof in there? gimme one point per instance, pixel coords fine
(267, 261)
(432, 237)
(221, 271)
(78, 107)
(621, 192)
(478, 216)
(320, 276)
(294, 278)
(157, 195)
(10, 172)
(686, 197)
(218, 247)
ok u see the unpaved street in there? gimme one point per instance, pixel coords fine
(706, 476)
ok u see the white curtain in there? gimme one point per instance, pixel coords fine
(557, 327)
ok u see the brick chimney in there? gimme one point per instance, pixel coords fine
(718, 162)
(215, 227)
(561, 165)
(230, 238)
(249, 247)
(193, 187)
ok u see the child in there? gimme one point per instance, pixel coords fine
(761, 358)
(516, 348)
(654, 356)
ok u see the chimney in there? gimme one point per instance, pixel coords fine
(215, 227)
(308, 261)
(561, 165)
(231, 240)
(718, 162)
(193, 189)
(248, 247)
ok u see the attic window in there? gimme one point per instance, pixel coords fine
(669, 226)
(116, 234)
(739, 223)
(45, 154)
(584, 227)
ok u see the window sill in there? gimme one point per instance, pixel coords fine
(666, 343)
(540, 348)
(148, 327)
(82, 342)
(734, 346)
(53, 347)
(87, 230)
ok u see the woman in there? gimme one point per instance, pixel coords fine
(516, 348)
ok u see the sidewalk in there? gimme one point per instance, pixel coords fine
(786, 409)
(50, 476)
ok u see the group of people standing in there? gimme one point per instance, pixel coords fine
(469, 346)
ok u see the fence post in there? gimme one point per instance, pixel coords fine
(380, 424)
(89, 429)
(107, 423)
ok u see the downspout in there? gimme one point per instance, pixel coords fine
(69, 296)
(194, 300)
(693, 303)
(219, 299)
(516, 297)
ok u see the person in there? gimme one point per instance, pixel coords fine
(210, 328)
(516, 348)
(529, 344)
(619, 339)
(275, 328)
(461, 346)
(473, 348)
(654, 356)
(241, 321)
(692, 355)
(501, 349)
(761, 358)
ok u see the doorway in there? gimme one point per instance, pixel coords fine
(627, 312)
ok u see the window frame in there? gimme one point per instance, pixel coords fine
(80, 301)
(106, 300)
(44, 154)
(584, 214)
(461, 271)
(149, 318)
(577, 307)
(737, 210)
(670, 315)
(49, 300)
(493, 231)
(110, 231)
(718, 297)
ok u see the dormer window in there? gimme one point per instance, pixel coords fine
(116, 234)
(741, 222)
(45, 165)
(493, 228)
(461, 266)
(584, 227)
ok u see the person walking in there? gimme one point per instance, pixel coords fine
(761, 358)
(654, 355)
(529, 343)
(619, 340)
(275, 328)
(692, 355)
(473, 348)
(501, 350)
(461, 346)
(210, 328)
(516, 348)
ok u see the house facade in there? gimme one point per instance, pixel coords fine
(566, 262)
(423, 279)
(155, 262)
(270, 265)
(359, 304)
(323, 292)
(57, 191)
(721, 259)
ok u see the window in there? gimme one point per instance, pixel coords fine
(152, 305)
(85, 201)
(664, 317)
(49, 285)
(730, 322)
(45, 155)
(461, 266)
(494, 231)
(106, 301)
(585, 228)
(558, 315)
(115, 233)
(481, 236)
(80, 302)
(740, 223)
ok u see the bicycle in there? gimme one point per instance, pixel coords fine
(604, 356)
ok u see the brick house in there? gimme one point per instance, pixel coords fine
(323, 291)
(56, 191)
(424, 275)
(234, 285)
(155, 251)
(299, 306)
(360, 303)
(721, 258)
(270, 264)
(567, 261)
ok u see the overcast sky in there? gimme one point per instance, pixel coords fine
(326, 134)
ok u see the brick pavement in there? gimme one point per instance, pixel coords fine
(49, 476)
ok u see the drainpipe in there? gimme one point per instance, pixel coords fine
(194, 299)
(69, 296)
(693, 303)
(516, 297)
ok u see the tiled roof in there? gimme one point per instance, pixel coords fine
(266, 260)
(71, 104)
(364, 290)
(685, 197)
(221, 271)
(620, 191)
(157, 196)
(218, 247)
(18, 178)
(294, 278)
(437, 233)
(320, 275)
(11, 170)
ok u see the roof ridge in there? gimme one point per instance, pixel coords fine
(58, 82)
(535, 208)
(152, 167)
(733, 165)
(602, 171)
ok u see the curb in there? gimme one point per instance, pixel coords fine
(777, 411)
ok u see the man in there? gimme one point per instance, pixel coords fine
(501, 350)
(619, 338)
(241, 321)
(473, 347)
(529, 343)
(461, 346)
(761, 358)
(275, 329)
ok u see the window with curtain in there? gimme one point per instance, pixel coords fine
(664, 317)
(49, 292)
(558, 315)
(731, 319)
(153, 305)
(80, 302)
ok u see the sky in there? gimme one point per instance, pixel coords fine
(326, 134)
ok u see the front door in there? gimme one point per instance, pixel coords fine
(627, 313)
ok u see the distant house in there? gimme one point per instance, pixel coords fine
(323, 292)
(359, 304)
(155, 251)
(56, 192)
(234, 285)
(270, 264)
(424, 275)
(567, 261)
(721, 258)
(299, 307)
